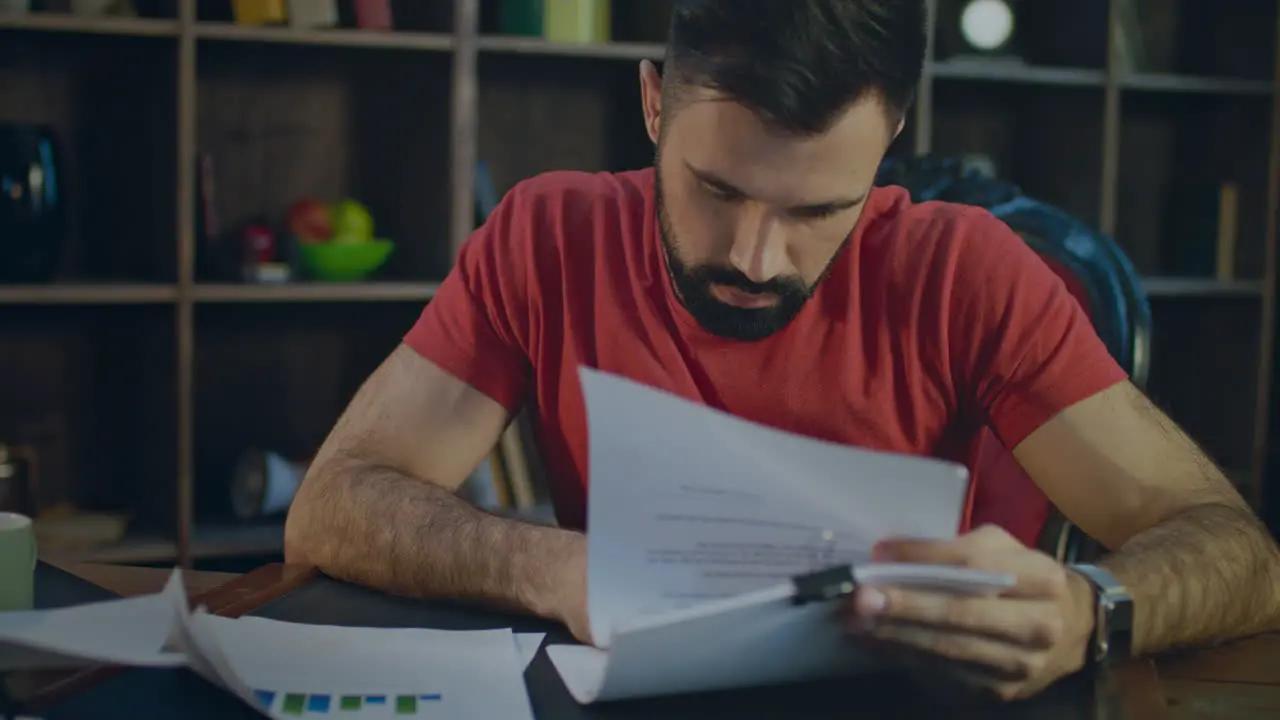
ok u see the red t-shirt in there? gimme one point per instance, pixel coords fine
(935, 322)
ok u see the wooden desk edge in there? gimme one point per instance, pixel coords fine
(232, 599)
(1141, 692)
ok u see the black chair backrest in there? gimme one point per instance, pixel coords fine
(1116, 301)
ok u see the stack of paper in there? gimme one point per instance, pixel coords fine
(286, 669)
(699, 521)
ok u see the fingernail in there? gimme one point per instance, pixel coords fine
(871, 601)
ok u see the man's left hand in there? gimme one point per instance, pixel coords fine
(1014, 644)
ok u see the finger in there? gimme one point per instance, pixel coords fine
(1028, 623)
(1036, 574)
(1001, 660)
(986, 540)
(931, 552)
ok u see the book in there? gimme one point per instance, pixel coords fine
(700, 524)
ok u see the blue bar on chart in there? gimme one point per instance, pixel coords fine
(324, 704)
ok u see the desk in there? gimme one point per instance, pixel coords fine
(1236, 681)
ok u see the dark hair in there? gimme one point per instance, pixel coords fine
(798, 63)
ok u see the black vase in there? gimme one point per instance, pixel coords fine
(32, 204)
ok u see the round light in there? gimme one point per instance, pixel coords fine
(986, 24)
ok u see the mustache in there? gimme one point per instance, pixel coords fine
(719, 275)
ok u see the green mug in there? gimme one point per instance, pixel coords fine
(17, 562)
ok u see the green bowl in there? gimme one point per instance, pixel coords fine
(345, 261)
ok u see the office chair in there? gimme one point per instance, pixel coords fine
(1101, 278)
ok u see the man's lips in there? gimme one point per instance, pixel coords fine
(742, 299)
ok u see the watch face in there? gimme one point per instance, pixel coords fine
(986, 24)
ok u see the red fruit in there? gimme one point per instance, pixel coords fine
(310, 221)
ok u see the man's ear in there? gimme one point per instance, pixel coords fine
(651, 98)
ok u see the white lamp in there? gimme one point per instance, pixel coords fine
(987, 26)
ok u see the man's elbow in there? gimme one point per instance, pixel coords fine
(295, 552)
(301, 541)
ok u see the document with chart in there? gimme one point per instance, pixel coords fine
(284, 669)
(699, 521)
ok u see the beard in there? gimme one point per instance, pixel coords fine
(693, 285)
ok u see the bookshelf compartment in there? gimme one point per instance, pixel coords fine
(1052, 35)
(90, 392)
(1224, 39)
(406, 16)
(1203, 371)
(278, 124)
(553, 113)
(276, 377)
(1036, 137)
(628, 21)
(109, 105)
(1193, 184)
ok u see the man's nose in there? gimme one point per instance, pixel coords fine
(759, 248)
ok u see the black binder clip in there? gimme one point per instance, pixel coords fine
(824, 585)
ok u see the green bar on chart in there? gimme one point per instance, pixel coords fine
(350, 702)
(294, 703)
(406, 705)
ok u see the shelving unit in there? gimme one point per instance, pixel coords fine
(154, 376)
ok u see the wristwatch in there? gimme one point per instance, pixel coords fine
(1113, 616)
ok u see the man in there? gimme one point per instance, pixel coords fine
(755, 269)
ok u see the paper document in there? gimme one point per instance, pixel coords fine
(699, 520)
(286, 669)
(131, 631)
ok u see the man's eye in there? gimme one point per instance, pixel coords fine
(815, 213)
(722, 193)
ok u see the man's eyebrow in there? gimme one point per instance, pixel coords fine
(727, 187)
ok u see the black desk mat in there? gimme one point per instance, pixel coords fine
(133, 693)
(328, 602)
(57, 588)
(144, 694)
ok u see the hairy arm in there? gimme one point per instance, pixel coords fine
(1200, 565)
(378, 504)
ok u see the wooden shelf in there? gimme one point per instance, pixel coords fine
(87, 294)
(148, 294)
(352, 38)
(520, 45)
(208, 541)
(67, 23)
(1013, 72)
(1175, 287)
(1161, 82)
(316, 292)
(128, 551)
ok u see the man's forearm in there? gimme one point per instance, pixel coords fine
(1207, 573)
(374, 526)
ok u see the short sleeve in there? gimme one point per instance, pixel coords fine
(475, 327)
(1022, 348)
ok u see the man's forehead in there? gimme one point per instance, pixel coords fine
(728, 141)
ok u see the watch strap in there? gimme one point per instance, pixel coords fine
(1113, 615)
